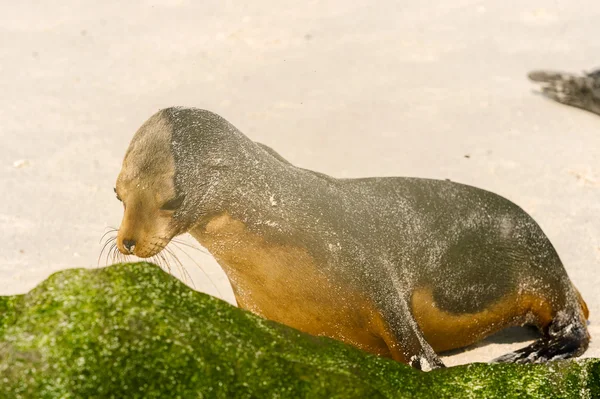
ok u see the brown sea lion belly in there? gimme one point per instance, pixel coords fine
(284, 283)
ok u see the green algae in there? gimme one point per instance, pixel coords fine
(133, 331)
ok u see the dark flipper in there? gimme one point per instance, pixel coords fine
(566, 337)
(574, 90)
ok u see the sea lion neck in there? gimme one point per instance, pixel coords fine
(218, 168)
(254, 190)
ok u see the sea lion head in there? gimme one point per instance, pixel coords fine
(170, 177)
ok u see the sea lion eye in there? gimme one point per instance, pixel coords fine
(173, 204)
(119, 198)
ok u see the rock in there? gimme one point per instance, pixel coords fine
(133, 331)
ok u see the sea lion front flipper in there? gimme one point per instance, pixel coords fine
(577, 91)
(404, 337)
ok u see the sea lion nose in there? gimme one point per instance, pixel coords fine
(129, 245)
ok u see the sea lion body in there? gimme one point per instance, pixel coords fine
(400, 267)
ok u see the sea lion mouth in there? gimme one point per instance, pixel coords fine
(146, 255)
(149, 250)
(141, 247)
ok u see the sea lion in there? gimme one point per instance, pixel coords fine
(574, 90)
(399, 267)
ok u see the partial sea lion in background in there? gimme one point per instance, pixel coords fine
(399, 267)
(574, 90)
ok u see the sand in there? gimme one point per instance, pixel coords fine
(432, 89)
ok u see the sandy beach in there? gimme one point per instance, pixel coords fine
(431, 89)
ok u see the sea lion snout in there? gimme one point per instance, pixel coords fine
(129, 245)
(127, 238)
(144, 231)
(145, 246)
(147, 225)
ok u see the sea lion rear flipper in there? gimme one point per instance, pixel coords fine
(577, 91)
(566, 337)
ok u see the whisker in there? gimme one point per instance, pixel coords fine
(117, 256)
(109, 241)
(201, 269)
(165, 255)
(110, 230)
(167, 265)
(164, 259)
(184, 273)
(176, 258)
(121, 258)
(180, 242)
(110, 253)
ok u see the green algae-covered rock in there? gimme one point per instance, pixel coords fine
(133, 331)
